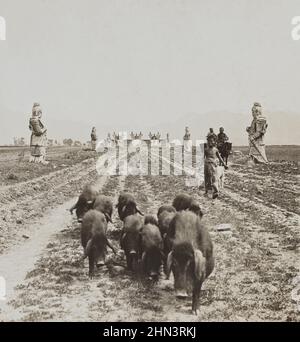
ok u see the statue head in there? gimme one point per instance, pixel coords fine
(221, 130)
(36, 110)
(256, 110)
(211, 130)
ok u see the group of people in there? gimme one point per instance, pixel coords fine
(213, 159)
(219, 139)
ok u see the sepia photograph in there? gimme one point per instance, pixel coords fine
(149, 163)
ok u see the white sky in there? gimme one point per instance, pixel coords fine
(148, 60)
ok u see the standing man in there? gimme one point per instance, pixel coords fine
(212, 134)
(222, 137)
(212, 158)
(223, 145)
(38, 140)
(94, 138)
(256, 133)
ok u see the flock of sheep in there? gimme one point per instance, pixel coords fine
(176, 239)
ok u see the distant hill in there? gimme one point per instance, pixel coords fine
(283, 127)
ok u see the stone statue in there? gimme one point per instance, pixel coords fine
(38, 141)
(94, 139)
(256, 133)
(187, 135)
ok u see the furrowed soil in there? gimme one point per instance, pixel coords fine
(257, 260)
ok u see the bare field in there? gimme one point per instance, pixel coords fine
(257, 261)
(277, 152)
(14, 166)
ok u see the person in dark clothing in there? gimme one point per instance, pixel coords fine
(222, 137)
(212, 135)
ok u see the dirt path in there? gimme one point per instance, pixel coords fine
(19, 261)
(256, 262)
(15, 264)
(22, 204)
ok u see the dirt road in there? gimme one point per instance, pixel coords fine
(256, 261)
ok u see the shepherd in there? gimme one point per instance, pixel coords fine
(38, 141)
(212, 158)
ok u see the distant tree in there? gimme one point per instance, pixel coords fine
(68, 142)
(19, 141)
(77, 143)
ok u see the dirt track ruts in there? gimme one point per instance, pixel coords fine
(256, 263)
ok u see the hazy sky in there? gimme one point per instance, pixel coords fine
(148, 60)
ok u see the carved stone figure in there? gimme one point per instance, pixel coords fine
(256, 133)
(38, 141)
